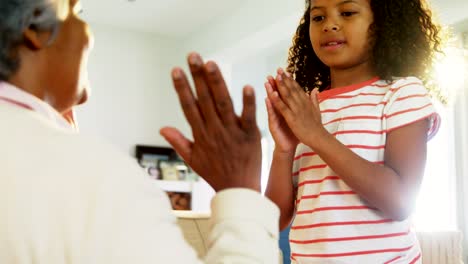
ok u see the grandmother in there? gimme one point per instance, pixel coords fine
(65, 198)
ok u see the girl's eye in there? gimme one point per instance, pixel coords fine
(318, 18)
(348, 14)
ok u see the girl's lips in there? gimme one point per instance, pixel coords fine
(333, 45)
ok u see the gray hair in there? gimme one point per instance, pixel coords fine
(15, 17)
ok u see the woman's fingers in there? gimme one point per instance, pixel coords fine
(220, 93)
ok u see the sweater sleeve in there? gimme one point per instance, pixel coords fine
(137, 226)
(244, 228)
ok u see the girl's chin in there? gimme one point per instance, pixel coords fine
(335, 65)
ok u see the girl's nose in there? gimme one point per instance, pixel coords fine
(331, 26)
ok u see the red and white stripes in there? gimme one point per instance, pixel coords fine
(332, 222)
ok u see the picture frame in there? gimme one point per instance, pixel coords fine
(175, 170)
(163, 163)
(149, 157)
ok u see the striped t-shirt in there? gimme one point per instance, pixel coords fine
(332, 223)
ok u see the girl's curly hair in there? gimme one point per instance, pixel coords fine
(405, 40)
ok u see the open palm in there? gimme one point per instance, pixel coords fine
(284, 138)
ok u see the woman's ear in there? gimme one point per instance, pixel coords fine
(35, 39)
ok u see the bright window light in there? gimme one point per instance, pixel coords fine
(451, 70)
(436, 203)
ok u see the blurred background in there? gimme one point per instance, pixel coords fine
(139, 41)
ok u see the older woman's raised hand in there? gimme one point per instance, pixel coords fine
(226, 149)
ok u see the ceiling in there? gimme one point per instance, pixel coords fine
(178, 18)
(175, 18)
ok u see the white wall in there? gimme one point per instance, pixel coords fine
(450, 12)
(251, 43)
(132, 95)
(254, 27)
(253, 71)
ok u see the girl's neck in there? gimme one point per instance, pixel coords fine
(350, 76)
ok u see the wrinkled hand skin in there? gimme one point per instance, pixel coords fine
(226, 148)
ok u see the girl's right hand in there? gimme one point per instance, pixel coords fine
(285, 141)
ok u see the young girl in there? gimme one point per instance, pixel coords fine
(350, 154)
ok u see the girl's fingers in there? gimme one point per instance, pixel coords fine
(271, 81)
(272, 113)
(283, 91)
(269, 110)
(268, 101)
(280, 106)
(296, 93)
(269, 89)
(268, 106)
(314, 98)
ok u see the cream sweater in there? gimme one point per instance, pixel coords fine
(65, 198)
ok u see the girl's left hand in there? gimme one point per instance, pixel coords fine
(300, 110)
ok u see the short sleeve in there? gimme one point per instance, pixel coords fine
(409, 102)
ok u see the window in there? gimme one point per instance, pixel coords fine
(437, 201)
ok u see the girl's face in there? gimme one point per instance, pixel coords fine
(67, 58)
(339, 32)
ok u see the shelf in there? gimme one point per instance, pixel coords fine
(175, 186)
(200, 191)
